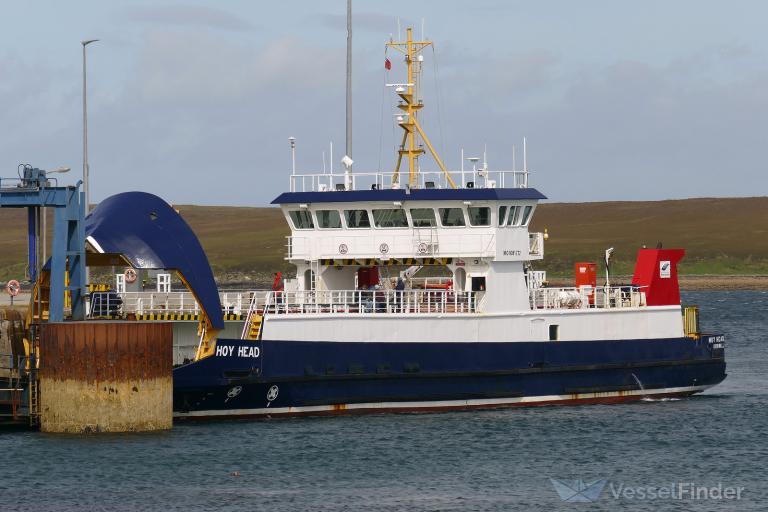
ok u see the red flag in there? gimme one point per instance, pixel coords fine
(387, 64)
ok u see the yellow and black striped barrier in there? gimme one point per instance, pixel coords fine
(368, 262)
(181, 317)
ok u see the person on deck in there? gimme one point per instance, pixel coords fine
(399, 288)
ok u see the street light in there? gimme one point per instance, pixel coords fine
(86, 189)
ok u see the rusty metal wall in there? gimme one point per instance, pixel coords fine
(106, 351)
(106, 376)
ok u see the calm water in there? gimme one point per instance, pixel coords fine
(494, 460)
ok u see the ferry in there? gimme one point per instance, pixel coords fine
(421, 290)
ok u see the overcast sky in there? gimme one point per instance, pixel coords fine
(195, 101)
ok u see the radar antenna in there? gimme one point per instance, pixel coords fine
(411, 105)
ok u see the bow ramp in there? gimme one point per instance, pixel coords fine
(147, 233)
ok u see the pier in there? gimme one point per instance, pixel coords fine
(64, 369)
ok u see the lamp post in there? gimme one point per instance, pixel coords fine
(86, 188)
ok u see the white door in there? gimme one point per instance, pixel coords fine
(460, 279)
(163, 283)
(120, 283)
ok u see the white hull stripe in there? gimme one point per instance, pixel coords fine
(490, 402)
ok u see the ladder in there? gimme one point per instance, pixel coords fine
(254, 320)
(425, 241)
(254, 329)
(34, 399)
(34, 383)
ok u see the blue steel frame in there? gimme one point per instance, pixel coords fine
(68, 241)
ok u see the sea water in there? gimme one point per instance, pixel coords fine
(648, 455)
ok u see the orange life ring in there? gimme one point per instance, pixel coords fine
(13, 287)
(130, 275)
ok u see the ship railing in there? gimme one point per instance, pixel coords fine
(586, 297)
(110, 304)
(478, 178)
(371, 301)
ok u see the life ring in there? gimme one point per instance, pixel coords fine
(130, 275)
(13, 287)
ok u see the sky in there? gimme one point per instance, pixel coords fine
(195, 101)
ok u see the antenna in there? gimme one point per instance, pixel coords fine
(347, 163)
(525, 156)
(331, 158)
(410, 148)
(514, 160)
(292, 140)
(485, 157)
(399, 35)
(349, 78)
(323, 162)
(422, 29)
(525, 161)
(462, 160)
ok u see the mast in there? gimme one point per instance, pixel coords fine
(349, 78)
(410, 105)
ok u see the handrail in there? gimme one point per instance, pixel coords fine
(600, 297)
(110, 304)
(319, 182)
(379, 301)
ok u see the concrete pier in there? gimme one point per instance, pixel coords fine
(106, 377)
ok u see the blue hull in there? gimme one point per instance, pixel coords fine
(258, 378)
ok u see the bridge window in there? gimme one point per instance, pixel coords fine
(502, 215)
(527, 215)
(391, 218)
(423, 217)
(328, 219)
(514, 216)
(452, 217)
(479, 216)
(357, 219)
(302, 219)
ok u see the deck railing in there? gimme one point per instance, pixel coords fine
(371, 301)
(587, 298)
(323, 182)
(115, 305)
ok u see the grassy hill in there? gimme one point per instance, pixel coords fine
(721, 236)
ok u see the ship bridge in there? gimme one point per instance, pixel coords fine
(348, 229)
(479, 234)
(392, 226)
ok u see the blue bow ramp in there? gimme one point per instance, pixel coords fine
(148, 233)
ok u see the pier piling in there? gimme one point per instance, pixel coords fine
(106, 377)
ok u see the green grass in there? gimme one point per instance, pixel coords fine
(721, 236)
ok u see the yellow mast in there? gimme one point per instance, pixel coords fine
(410, 106)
